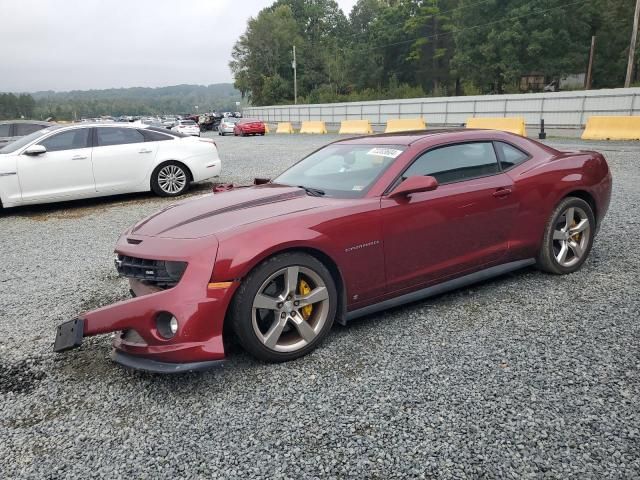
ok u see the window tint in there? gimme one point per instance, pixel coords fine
(511, 156)
(456, 162)
(151, 136)
(78, 138)
(4, 129)
(23, 129)
(118, 136)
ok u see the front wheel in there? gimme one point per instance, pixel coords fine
(285, 307)
(568, 237)
(170, 179)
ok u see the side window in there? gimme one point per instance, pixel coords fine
(455, 163)
(151, 136)
(4, 129)
(118, 136)
(69, 140)
(510, 155)
(23, 129)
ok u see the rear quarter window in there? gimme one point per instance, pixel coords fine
(510, 156)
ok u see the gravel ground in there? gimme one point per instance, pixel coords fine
(528, 375)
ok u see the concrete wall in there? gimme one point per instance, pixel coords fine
(559, 109)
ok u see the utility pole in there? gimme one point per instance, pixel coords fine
(587, 81)
(295, 76)
(632, 46)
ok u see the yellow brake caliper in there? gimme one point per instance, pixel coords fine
(305, 289)
(575, 236)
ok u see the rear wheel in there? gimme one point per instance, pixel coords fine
(568, 237)
(170, 179)
(285, 307)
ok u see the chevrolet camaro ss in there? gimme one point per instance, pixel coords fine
(360, 225)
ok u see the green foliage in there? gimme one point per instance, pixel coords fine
(406, 48)
(121, 101)
(12, 106)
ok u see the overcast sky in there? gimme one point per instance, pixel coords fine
(85, 44)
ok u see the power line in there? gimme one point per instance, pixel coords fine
(462, 7)
(474, 27)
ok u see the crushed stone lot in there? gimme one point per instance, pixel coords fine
(525, 376)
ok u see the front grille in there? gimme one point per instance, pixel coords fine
(152, 272)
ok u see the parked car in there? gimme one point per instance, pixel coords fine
(248, 126)
(358, 226)
(227, 125)
(187, 127)
(169, 122)
(11, 130)
(91, 160)
(237, 114)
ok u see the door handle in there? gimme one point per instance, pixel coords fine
(145, 151)
(502, 192)
(79, 157)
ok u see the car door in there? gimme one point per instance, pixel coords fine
(122, 159)
(63, 171)
(459, 227)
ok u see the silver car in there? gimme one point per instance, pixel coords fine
(226, 125)
(11, 130)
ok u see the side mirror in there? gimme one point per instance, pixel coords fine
(414, 185)
(35, 150)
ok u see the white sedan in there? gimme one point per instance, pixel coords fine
(91, 160)
(187, 127)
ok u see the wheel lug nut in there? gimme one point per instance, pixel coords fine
(296, 303)
(282, 315)
(288, 297)
(280, 305)
(293, 314)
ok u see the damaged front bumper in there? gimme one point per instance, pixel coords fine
(198, 305)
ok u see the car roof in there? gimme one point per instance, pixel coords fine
(412, 137)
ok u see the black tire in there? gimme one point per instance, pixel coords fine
(242, 312)
(155, 180)
(547, 260)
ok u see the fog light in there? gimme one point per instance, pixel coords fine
(166, 324)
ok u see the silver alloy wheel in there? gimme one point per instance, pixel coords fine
(280, 313)
(571, 236)
(172, 179)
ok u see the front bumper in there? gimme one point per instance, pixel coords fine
(199, 306)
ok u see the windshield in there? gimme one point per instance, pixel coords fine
(341, 170)
(26, 140)
(187, 122)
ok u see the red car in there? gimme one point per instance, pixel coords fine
(249, 126)
(358, 226)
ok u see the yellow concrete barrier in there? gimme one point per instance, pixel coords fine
(612, 128)
(506, 124)
(355, 127)
(266, 128)
(284, 127)
(313, 126)
(404, 125)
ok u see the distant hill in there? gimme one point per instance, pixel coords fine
(136, 101)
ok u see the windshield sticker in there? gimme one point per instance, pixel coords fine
(384, 152)
(357, 188)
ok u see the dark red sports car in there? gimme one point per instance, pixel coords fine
(249, 126)
(358, 226)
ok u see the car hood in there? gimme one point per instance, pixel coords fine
(214, 213)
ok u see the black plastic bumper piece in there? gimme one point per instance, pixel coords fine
(69, 335)
(154, 366)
